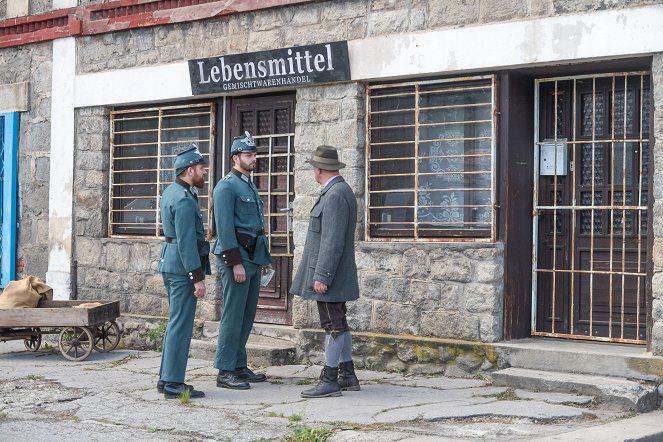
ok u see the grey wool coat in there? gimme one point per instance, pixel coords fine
(329, 252)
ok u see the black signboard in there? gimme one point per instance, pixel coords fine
(318, 63)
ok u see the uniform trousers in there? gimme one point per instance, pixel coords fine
(240, 301)
(177, 340)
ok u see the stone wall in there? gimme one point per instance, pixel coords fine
(32, 64)
(39, 6)
(657, 280)
(113, 268)
(311, 23)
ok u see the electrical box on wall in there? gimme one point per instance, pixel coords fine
(553, 159)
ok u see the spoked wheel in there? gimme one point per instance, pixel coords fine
(75, 343)
(107, 337)
(34, 341)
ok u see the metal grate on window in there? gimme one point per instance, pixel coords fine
(431, 160)
(144, 144)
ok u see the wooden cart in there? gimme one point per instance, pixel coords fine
(80, 329)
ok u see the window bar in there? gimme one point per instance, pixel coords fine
(574, 202)
(554, 224)
(111, 174)
(536, 211)
(639, 212)
(624, 224)
(591, 230)
(612, 205)
(159, 159)
(288, 213)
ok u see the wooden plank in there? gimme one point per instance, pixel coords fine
(60, 314)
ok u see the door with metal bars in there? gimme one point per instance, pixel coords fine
(591, 207)
(270, 120)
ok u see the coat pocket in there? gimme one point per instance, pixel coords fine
(245, 204)
(315, 223)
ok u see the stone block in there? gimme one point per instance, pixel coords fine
(352, 108)
(657, 252)
(399, 290)
(390, 317)
(488, 272)
(484, 253)
(271, 19)
(356, 28)
(453, 13)
(657, 310)
(88, 251)
(405, 351)
(140, 258)
(339, 91)
(117, 255)
(501, 10)
(346, 134)
(388, 22)
(453, 325)
(469, 362)
(306, 15)
(301, 316)
(325, 111)
(657, 338)
(482, 298)
(417, 19)
(377, 5)
(657, 285)
(344, 10)
(95, 278)
(142, 304)
(87, 160)
(416, 264)
(88, 199)
(374, 285)
(154, 285)
(424, 294)
(359, 314)
(450, 295)
(455, 268)
(264, 40)
(490, 328)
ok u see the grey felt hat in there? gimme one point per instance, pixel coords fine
(326, 158)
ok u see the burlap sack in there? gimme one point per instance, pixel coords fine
(25, 293)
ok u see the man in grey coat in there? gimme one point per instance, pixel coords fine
(327, 272)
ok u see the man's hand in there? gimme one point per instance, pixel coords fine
(319, 287)
(239, 273)
(199, 289)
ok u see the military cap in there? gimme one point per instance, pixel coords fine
(243, 143)
(326, 158)
(187, 158)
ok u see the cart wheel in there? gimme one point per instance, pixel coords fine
(107, 337)
(75, 343)
(34, 341)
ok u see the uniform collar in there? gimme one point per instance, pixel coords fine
(240, 174)
(183, 183)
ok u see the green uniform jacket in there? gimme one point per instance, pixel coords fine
(181, 219)
(237, 205)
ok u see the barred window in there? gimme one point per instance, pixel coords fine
(431, 160)
(144, 144)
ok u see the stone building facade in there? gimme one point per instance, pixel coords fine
(463, 287)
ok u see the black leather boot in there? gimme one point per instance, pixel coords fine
(328, 385)
(173, 390)
(346, 376)
(246, 374)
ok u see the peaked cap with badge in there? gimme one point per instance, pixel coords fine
(242, 143)
(187, 158)
(325, 158)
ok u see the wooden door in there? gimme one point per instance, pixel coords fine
(270, 120)
(591, 254)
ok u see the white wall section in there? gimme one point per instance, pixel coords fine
(590, 36)
(161, 82)
(61, 180)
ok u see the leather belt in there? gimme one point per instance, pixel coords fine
(171, 240)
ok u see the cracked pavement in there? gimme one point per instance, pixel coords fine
(112, 396)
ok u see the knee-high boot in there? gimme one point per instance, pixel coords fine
(347, 378)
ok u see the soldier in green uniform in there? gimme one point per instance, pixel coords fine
(184, 262)
(241, 249)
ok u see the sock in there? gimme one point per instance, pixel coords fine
(333, 347)
(346, 351)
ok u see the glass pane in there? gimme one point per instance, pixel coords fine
(623, 172)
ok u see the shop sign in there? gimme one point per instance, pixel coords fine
(300, 65)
